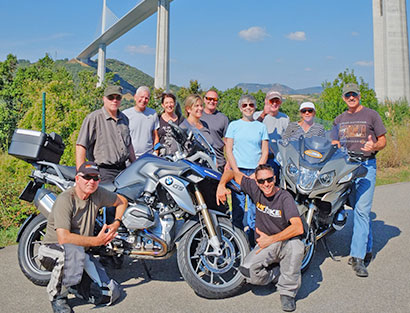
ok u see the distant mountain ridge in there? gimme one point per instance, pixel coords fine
(283, 89)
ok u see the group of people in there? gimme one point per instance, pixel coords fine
(110, 139)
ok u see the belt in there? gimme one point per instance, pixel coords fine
(119, 166)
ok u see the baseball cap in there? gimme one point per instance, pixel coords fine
(351, 87)
(307, 105)
(271, 94)
(112, 90)
(88, 168)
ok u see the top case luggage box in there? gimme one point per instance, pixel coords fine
(32, 146)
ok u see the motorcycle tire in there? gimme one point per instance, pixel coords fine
(28, 248)
(209, 276)
(309, 240)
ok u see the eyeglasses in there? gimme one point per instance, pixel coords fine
(274, 100)
(112, 97)
(211, 99)
(351, 94)
(251, 105)
(262, 180)
(88, 177)
(303, 111)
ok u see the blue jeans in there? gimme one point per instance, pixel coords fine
(238, 207)
(361, 200)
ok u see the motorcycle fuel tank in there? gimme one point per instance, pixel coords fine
(138, 216)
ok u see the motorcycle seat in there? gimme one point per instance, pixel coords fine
(108, 186)
(67, 171)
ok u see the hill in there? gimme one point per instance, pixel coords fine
(283, 89)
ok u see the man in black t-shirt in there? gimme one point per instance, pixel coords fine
(278, 227)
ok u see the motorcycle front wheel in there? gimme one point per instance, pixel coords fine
(309, 240)
(213, 277)
(28, 251)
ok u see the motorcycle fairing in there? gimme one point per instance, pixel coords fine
(204, 171)
(177, 188)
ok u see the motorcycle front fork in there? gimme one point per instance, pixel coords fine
(213, 238)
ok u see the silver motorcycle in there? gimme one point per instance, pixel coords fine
(319, 176)
(170, 202)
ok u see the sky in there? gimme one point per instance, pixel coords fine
(298, 43)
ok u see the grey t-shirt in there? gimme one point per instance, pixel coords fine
(142, 125)
(276, 126)
(218, 124)
(353, 129)
(204, 130)
(105, 139)
(294, 131)
(76, 215)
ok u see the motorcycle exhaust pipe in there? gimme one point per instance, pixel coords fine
(44, 201)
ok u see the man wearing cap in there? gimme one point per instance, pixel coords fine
(361, 131)
(275, 122)
(218, 124)
(306, 127)
(104, 137)
(144, 123)
(70, 232)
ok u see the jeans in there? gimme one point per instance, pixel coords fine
(238, 207)
(361, 200)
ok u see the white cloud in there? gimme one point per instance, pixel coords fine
(296, 36)
(308, 69)
(141, 49)
(254, 33)
(330, 57)
(355, 34)
(364, 63)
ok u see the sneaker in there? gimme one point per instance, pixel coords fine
(359, 268)
(60, 306)
(288, 303)
(367, 259)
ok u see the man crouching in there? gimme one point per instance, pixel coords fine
(70, 232)
(278, 227)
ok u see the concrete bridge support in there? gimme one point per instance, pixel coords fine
(162, 50)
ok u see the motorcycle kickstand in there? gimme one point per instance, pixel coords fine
(325, 245)
(144, 265)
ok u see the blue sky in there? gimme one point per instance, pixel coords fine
(299, 43)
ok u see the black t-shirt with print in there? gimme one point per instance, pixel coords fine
(272, 213)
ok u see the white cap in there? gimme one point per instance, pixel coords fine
(307, 105)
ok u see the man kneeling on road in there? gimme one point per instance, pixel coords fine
(70, 229)
(278, 227)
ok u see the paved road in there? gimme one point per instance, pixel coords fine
(328, 286)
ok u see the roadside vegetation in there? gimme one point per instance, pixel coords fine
(69, 100)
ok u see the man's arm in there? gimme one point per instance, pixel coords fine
(294, 229)
(371, 146)
(80, 153)
(120, 205)
(131, 152)
(221, 191)
(103, 238)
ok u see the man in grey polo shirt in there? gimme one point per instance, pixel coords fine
(217, 123)
(275, 121)
(104, 137)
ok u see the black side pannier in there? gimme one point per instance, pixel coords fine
(32, 146)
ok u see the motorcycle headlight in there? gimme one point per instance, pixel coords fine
(326, 179)
(346, 178)
(307, 178)
(292, 169)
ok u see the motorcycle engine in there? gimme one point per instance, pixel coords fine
(138, 216)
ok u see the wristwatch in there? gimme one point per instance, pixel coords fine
(117, 219)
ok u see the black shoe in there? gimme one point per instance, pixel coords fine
(359, 268)
(288, 303)
(367, 259)
(60, 306)
(110, 261)
(244, 271)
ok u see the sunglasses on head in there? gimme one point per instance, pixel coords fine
(274, 100)
(116, 97)
(211, 99)
(351, 94)
(306, 110)
(88, 177)
(262, 180)
(251, 105)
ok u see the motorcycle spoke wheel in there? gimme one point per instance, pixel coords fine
(209, 275)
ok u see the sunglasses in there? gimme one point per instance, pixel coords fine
(251, 105)
(112, 97)
(351, 94)
(262, 180)
(211, 99)
(306, 110)
(88, 177)
(274, 100)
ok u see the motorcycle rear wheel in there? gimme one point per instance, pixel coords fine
(28, 251)
(213, 277)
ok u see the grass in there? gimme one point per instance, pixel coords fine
(393, 175)
(8, 236)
